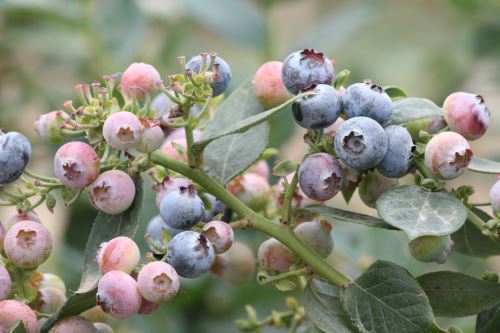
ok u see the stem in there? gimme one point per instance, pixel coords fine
(287, 201)
(479, 223)
(419, 163)
(40, 177)
(295, 273)
(480, 204)
(19, 278)
(284, 234)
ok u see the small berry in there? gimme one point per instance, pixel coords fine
(466, 114)
(373, 186)
(103, 328)
(122, 130)
(48, 280)
(398, 158)
(447, 155)
(76, 164)
(218, 207)
(74, 324)
(220, 234)
(367, 100)
(156, 227)
(317, 235)
(495, 196)
(318, 111)
(303, 69)
(182, 208)
(119, 254)
(320, 176)
(12, 311)
(50, 300)
(152, 138)
(431, 248)
(361, 143)
(118, 295)
(140, 79)
(221, 70)
(21, 216)
(268, 86)
(167, 186)
(28, 244)
(158, 282)
(252, 189)
(15, 153)
(113, 192)
(49, 126)
(5, 283)
(191, 254)
(236, 266)
(274, 256)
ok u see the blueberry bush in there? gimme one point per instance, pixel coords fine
(206, 153)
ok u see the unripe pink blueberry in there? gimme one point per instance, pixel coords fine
(95, 314)
(317, 235)
(158, 282)
(12, 311)
(122, 130)
(268, 86)
(495, 196)
(252, 189)
(50, 300)
(103, 328)
(28, 244)
(5, 283)
(21, 216)
(152, 138)
(274, 256)
(138, 79)
(431, 248)
(260, 168)
(236, 266)
(49, 126)
(178, 137)
(113, 192)
(119, 254)
(220, 234)
(147, 307)
(466, 114)
(447, 155)
(49, 280)
(118, 295)
(168, 185)
(73, 324)
(76, 164)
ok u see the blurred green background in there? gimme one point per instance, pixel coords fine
(429, 48)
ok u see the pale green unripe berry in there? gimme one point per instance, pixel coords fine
(431, 248)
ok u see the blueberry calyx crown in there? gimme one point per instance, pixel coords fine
(313, 55)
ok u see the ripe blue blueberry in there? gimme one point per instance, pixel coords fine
(361, 143)
(318, 111)
(191, 254)
(320, 176)
(303, 69)
(182, 208)
(400, 146)
(218, 207)
(368, 100)
(221, 70)
(15, 153)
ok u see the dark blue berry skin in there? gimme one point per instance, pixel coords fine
(367, 100)
(397, 159)
(361, 143)
(220, 83)
(15, 153)
(303, 69)
(191, 254)
(318, 111)
(182, 208)
(320, 176)
(218, 207)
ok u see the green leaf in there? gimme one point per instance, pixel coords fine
(470, 241)
(75, 305)
(18, 328)
(421, 213)
(488, 321)
(482, 165)
(334, 214)
(284, 168)
(104, 229)
(395, 92)
(285, 285)
(413, 108)
(340, 78)
(323, 307)
(387, 299)
(50, 202)
(454, 294)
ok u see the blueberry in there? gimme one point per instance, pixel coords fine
(303, 69)
(15, 153)
(400, 146)
(495, 196)
(318, 111)
(317, 235)
(368, 100)
(191, 254)
(221, 70)
(182, 208)
(156, 227)
(218, 207)
(361, 143)
(466, 114)
(320, 176)
(431, 248)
